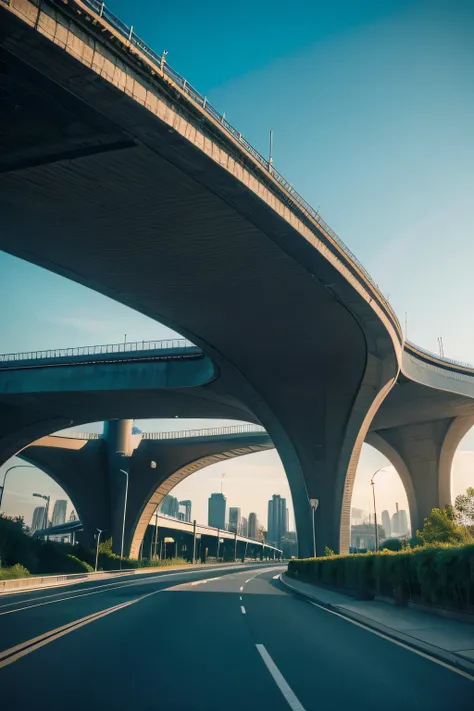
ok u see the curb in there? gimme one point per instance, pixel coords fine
(449, 658)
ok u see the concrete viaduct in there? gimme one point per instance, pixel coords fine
(136, 187)
(89, 470)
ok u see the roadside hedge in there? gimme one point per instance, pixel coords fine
(14, 571)
(437, 575)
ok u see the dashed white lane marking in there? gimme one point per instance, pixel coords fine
(240, 597)
(242, 608)
(247, 581)
(279, 679)
(241, 588)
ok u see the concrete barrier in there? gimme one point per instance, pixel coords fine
(42, 581)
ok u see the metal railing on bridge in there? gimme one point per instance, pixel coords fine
(439, 357)
(98, 350)
(176, 434)
(204, 432)
(159, 61)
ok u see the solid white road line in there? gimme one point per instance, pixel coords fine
(466, 675)
(8, 656)
(280, 680)
(452, 668)
(242, 608)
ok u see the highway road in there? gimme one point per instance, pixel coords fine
(229, 639)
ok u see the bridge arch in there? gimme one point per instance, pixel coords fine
(168, 473)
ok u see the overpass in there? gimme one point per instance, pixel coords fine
(188, 536)
(114, 143)
(91, 469)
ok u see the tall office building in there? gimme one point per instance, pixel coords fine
(185, 509)
(73, 516)
(234, 519)
(59, 512)
(38, 519)
(253, 525)
(386, 523)
(244, 527)
(402, 523)
(216, 511)
(170, 506)
(277, 519)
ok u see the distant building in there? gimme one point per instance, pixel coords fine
(386, 524)
(234, 519)
(59, 512)
(253, 525)
(216, 511)
(277, 519)
(73, 516)
(244, 527)
(185, 509)
(359, 516)
(38, 521)
(402, 523)
(170, 506)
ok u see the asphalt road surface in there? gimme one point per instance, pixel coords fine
(212, 640)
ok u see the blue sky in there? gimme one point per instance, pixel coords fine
(372, 108)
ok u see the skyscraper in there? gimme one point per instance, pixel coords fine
(277, 518)
(386, 523)
(253, 525)
(73, 516)
(38, 519)
(244, 527)
(234, 519)
(186, 505)
(59, 512)
(402, 523)
(216, 511)
(170, 506)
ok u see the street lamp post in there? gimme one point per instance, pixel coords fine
(46, 516)
(99, 531)
(372, 483)
(15, 466)
(194, 541)
(124, 514)
(314, 505)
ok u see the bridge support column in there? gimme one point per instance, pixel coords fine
(423, 456)
(118, 434)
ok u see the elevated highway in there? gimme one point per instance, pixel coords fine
(99, 473)
(136, 187)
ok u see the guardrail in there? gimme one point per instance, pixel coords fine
(159, 61)
(204, 432)
(438, 357)
(103, 349)
(174, 434)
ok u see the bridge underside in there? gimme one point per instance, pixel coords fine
(125, 191)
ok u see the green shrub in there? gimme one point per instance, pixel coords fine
(14, 571)
(440, 574)
(392, 544)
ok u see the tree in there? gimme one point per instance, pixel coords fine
(464, 505)
(442, 526)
